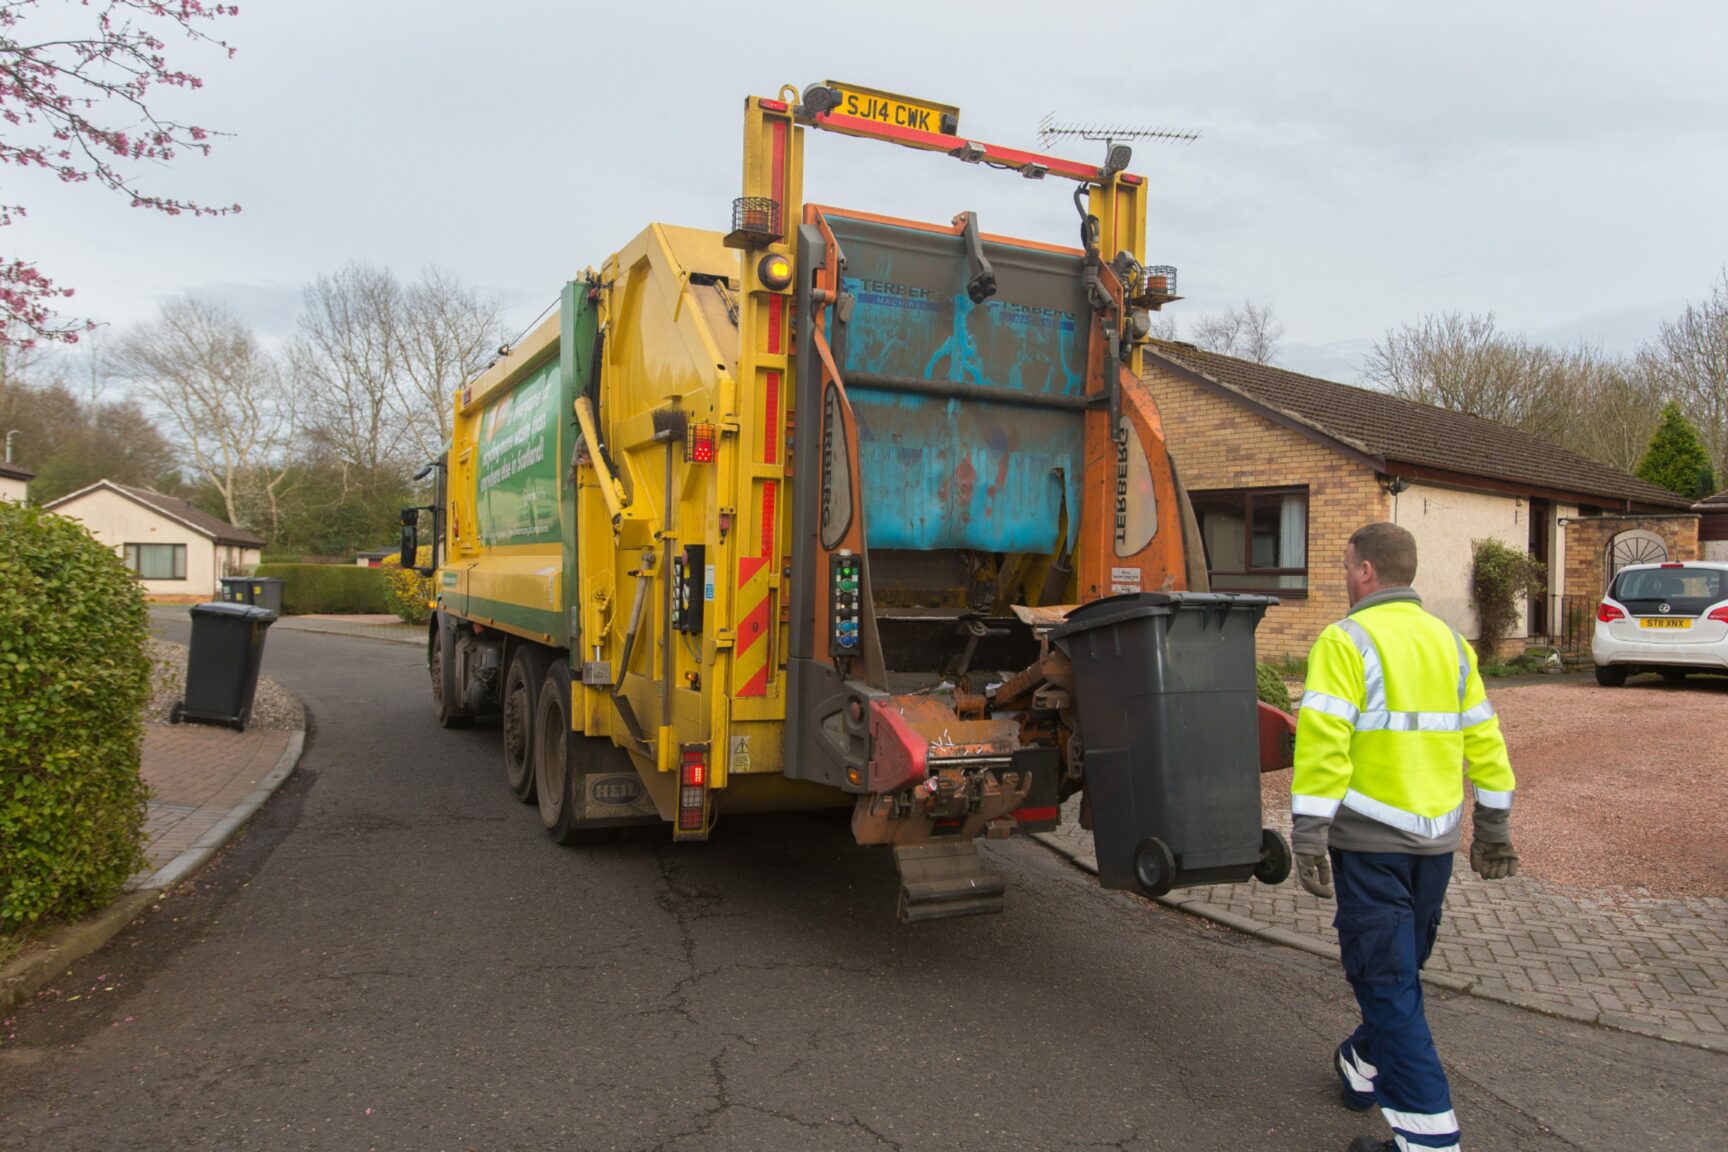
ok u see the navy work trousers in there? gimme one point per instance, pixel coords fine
(1388, 916)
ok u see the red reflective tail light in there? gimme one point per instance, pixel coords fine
(1607, 612)
(1720, 614)
(693, 790)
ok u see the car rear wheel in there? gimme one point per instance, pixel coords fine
(1610, 675)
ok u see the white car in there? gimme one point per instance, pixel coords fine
(1668, 618)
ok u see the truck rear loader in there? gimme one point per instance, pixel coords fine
(785, 516)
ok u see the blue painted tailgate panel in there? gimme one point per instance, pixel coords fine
(963, 473)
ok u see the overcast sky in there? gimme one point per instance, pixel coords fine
(1560, 164)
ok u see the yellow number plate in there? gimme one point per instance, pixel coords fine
(900, 111)
(1663, 622)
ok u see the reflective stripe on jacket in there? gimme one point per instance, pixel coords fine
(1393, 709)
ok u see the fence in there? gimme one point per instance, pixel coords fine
(1577, 624)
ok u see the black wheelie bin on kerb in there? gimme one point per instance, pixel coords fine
(1169, 728)
(222, 664)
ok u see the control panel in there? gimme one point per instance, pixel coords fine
(846, 589)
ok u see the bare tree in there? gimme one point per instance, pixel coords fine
(1467, 364)
(1162, 327)
(1248, 332)
(1617, 403)
(224, 399)
(1689, 361)
(346, 362)
(380, 362)
(445, 332)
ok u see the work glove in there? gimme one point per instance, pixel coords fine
(1493, 861)
(1314, 873)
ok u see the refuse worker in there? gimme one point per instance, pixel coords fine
(1393, 715)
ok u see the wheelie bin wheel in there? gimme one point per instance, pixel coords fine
(1154, 866)
(1274, 866)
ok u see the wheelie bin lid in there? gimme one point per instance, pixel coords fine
(231, 610)
(1134, 605)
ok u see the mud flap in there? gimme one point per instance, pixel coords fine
(943, 879)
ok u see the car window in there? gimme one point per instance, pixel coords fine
(1684, 590)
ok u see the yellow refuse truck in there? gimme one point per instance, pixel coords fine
(780, 516)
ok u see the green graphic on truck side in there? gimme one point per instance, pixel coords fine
(516, 494)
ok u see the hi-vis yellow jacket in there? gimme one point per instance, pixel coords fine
(1393, 709)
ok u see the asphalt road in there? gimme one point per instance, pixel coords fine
(393, 956)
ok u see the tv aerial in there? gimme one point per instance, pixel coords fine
(1113, 136)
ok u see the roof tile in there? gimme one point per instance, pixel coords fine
(1395, 430)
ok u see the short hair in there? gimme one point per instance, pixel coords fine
(1391, 549)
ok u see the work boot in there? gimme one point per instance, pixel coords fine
(1369, 1144)
(1348, 1096)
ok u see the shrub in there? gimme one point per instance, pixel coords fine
(1499, 578)
(410, 592)
(1675, 458)
(335, 588)
(74, 680)
(1269, 686)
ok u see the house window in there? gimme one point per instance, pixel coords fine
(157, 561)
(1256, 539)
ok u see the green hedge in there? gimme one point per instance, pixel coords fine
(74, 680)
(334, 588)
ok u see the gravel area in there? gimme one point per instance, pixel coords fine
(1618, 788)
(273, 706)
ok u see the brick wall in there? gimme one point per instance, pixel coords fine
(1218, 443)
(1587, 545)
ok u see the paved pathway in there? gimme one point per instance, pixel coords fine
(373, 627)
(198, 775)
(1647, 965)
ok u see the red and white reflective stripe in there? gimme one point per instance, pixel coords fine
(776, 305)
(771, 417)
(777, 169)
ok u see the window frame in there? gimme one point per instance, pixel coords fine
(1220, 578)
(131, 555)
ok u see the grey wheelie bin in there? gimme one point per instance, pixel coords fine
(259, 591)
(1169, 728)
(222, 664)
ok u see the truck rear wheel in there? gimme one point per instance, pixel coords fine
(522, 686)
(443, 682)
(558, 764)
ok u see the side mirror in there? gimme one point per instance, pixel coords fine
(410, 537)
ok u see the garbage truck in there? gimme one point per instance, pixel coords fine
(815, 512)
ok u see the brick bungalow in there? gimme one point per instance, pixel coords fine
(1283, 467)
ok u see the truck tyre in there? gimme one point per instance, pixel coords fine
(557, 763)
(522, 684)
(439, 662)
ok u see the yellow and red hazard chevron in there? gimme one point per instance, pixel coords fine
(753, 651)
(751, 654)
